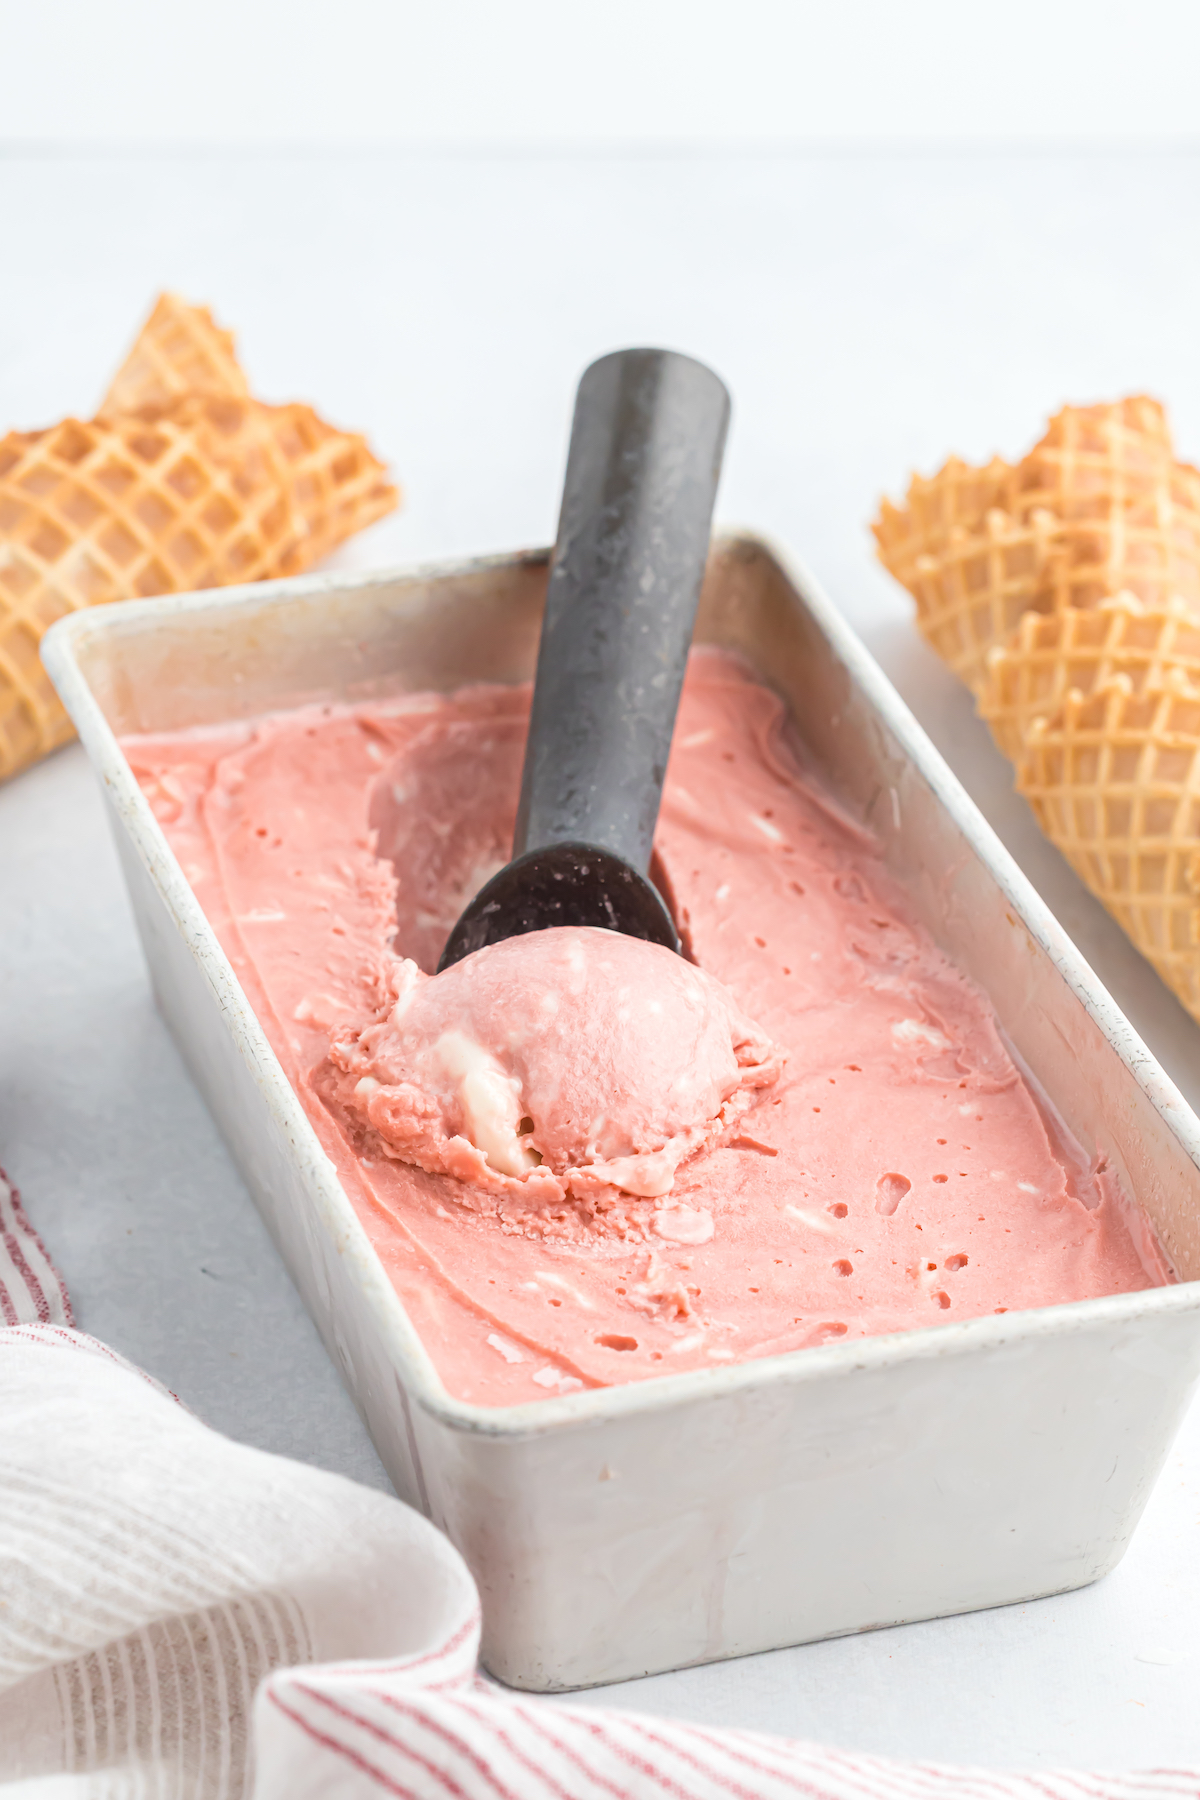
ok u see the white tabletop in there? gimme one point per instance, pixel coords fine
(870, 314)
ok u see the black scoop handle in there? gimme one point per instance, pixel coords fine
(642, 471)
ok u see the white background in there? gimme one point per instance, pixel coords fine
(599, 72)
(896, 230)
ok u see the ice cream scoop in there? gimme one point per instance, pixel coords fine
(642, 470)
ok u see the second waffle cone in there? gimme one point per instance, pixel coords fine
(1052, 655)
(1114, 779)
(1098, 506)
(1069, 602)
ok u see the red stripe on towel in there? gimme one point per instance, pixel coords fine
(32, 1292)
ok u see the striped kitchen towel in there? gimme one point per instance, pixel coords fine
(31, 1288)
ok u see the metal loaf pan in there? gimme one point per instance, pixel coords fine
(624, 1531)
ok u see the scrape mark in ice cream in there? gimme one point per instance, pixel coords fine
(683, 1225)
(743, 1141)
(812, 1220)
(549, 1279)
(914, 1031)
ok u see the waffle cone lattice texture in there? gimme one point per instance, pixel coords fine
(183, 480)
(1065, 591)
(1114, 778)
(179, 350)
(1076, 652)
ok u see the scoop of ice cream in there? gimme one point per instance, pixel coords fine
(564, 1060)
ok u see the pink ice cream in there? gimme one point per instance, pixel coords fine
(821, 1136)
(563, 1075)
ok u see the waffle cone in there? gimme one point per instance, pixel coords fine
(179, 350)
(971, 566)
(1130, 512)
(1099, 506)
(1070, 604)
(954, 500)
(333, 483)
(1091, 455)
(183, 481)
(973, 591)
(197, 494)
(334, 486)
(1073, 651)
(1114, 779)
(103, 511)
